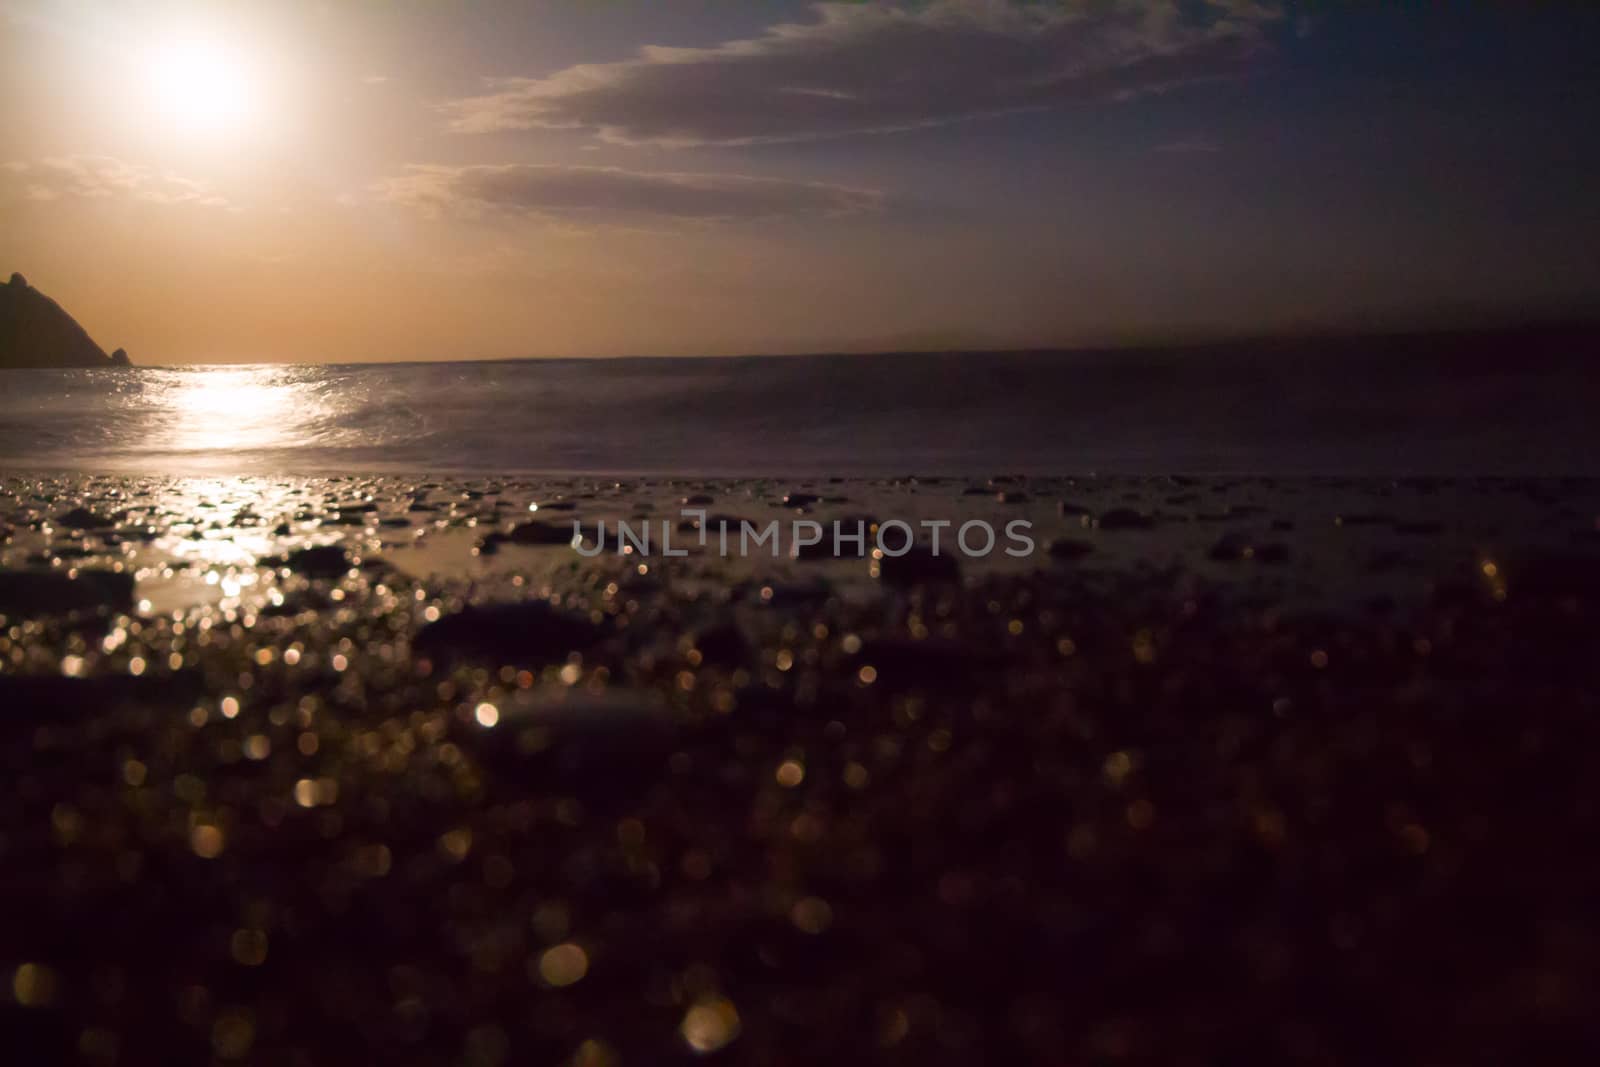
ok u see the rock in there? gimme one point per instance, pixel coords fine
(1012, 496)
(120, 358)
(1067, 510)
(527, 633)
(323, 561)
(36, 332)
(699, 500)
(1067, 549)
(1125, 519)
(918, 566)
(800, 500)
(541, 533)
(83, 519)
(48, 592)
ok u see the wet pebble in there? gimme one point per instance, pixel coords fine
(1066, 548)
(525, 633)
(916, 566)
(83, 519)
(48, 592)
(1125, 519)
(320, 561)
(541, 533)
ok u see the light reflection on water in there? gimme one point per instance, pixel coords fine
(229, 409)
(209, 420)
(969, 414)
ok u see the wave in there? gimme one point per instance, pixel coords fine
(1346, 408)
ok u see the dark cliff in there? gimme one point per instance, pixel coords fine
(36, 332)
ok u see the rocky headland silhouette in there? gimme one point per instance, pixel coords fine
(36, 332)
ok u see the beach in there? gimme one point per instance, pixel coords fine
(942, 533)
(1227, 768)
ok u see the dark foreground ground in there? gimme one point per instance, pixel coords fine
(1242, 771)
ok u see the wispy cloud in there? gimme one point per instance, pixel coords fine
(101, 178)
(614, 195)
(868, 67)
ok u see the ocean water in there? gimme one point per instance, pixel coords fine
(1389, 410)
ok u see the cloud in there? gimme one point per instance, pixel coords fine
(614, 195)
(102, 178)
(870, 67)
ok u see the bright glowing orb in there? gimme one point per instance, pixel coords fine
(202, 83)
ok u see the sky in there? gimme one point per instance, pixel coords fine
(422, 179)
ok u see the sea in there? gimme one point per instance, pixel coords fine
(1343, 409)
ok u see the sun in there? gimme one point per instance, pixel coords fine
(202, 83)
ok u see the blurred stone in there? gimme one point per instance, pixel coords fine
(1125, 519)
(541, 533)
(83, 519)
(526, 633)
(41, 592)
(322, 561)
(1065, 548)
(916, 566)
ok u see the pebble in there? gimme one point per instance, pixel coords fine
(84, 519)
(41, 592)
(541, 533)
(521, 634)
(1125, 519)
(320, 561)
(1066, 548)
(917, 566)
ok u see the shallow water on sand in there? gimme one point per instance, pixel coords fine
(1297, 543)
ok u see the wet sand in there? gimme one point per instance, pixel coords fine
(1230, 770)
